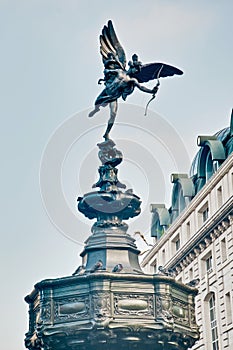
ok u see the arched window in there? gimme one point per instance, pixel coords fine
(182, 193)
(157, 230)
(160, 220)
(178, 200)
(213, 322)
(209, 167)
(211, 329)
(211, 156)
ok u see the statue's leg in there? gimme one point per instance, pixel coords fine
(113, 112)
(96, 109)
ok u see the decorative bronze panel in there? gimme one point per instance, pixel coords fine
(73, 308)
(134, 305)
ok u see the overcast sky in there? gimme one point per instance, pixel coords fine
(50, 65)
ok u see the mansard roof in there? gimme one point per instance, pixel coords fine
(214, 150)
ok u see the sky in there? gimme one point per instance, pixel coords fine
(50, 65)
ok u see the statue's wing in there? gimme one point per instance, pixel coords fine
(150, 71)
(109, 43)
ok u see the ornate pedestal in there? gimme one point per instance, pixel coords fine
(109, 303)
(112, 311)
(110, 244)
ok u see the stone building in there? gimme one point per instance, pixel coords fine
(194, 237)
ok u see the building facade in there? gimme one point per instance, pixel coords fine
(194, 238)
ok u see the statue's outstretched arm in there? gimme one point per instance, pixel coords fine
(145, 89)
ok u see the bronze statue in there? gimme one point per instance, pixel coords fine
(120, 82)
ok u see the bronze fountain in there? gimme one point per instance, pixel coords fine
(108, 302)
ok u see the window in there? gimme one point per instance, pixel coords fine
(176, 243)
(219, 196)
(203, 214)
(213, 322)
(163, 256)
(188, 231)
(223, 249)
(191, 274)
(209, 264)
(228, 308)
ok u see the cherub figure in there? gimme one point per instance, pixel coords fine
(120, 82)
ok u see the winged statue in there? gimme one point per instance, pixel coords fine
(120, 81)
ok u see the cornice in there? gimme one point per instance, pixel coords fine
(208, 233)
